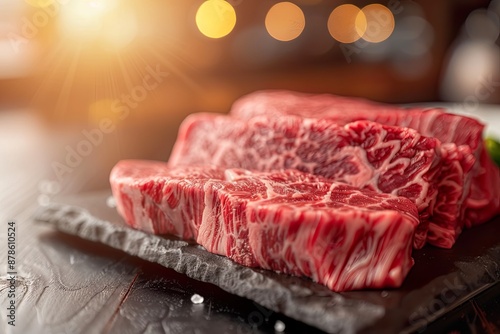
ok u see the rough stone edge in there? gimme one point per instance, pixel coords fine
(294, 297)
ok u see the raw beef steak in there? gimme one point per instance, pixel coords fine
(287, 221)
(368, 155)
(143, 188)
(470, 184)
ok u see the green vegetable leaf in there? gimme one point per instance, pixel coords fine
(493, 148)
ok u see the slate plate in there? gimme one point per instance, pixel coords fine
(440, 281)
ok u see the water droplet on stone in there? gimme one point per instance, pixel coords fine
(196, 299)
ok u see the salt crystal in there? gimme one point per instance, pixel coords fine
(196, 299)
(279, 326)
(110, 202)
(43, 200)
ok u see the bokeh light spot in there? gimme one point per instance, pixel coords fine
(379, 23)
(285, 21)
(215, 18)
(347, 23)
(483, 25)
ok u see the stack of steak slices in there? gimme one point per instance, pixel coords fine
(287, 221)
(469, 181)
(363, 154)
(332, 177)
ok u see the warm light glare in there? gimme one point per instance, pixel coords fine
(80, 18)
(379, 23)
(40, 3)
(115, 26)
(102, 109)
(216, 18)
(120, 29)
(347, 23)
(285, 21)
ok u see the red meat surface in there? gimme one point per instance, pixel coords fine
(469, 186)
(287, 221)
(368, 155)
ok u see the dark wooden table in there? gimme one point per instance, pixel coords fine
(68, 285)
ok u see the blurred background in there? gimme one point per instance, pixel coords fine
(93, 82)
